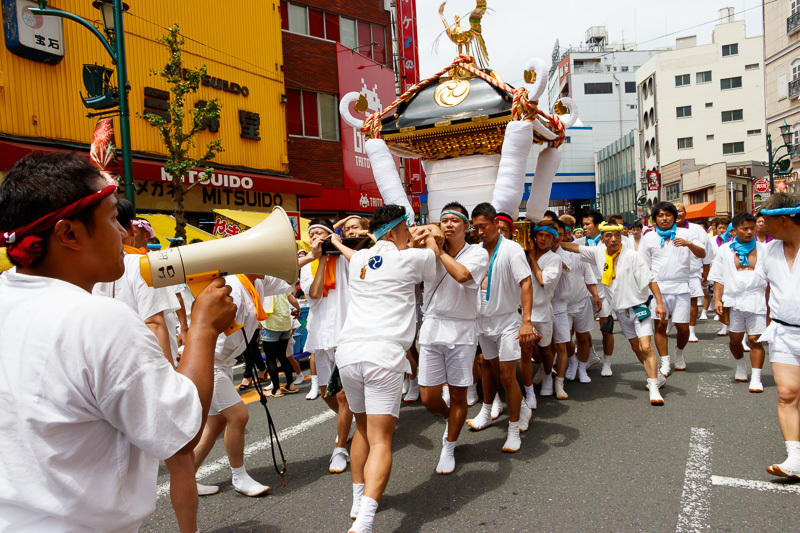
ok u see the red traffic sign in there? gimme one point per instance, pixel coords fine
(761, 185)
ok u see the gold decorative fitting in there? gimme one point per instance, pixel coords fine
(530, 76)
(451, 93)
(361, 105)
(522, 234)
(560, 108)
(442, 124)
(409, 129)
(480, 118)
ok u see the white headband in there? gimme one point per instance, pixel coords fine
(319, 226)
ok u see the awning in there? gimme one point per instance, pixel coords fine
(164, 226)
(248, 219)
(701, 210)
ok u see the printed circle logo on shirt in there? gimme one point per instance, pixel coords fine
(376, 262)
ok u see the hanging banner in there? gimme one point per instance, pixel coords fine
(103, 152)
(408, 65)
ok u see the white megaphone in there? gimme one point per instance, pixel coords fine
(268, 248)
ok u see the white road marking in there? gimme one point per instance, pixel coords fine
(765, 486)
(696, 484)
(221, 463)
(715, 385)
(717, 351)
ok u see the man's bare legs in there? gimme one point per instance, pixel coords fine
(314, 393)
(756, 359)
(787, 380)
(344, 419)
(455, 415)
(643, 349)
(183, 491)
(371, 464)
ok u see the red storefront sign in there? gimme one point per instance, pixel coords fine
(653, 181)
(409, 75)
(376, 83)
(761, 185)
(225, 228)
(416, 204)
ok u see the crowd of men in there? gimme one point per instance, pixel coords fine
(451, 314)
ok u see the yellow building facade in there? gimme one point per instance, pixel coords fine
(240, 44)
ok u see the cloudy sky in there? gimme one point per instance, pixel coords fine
(516, 30)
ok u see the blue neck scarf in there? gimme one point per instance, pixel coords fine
(726, 237)
(742, 249)
(667, 234)
(593, 241)
(491, 267)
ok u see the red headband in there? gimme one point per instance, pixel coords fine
(24, 244)
(505, 219)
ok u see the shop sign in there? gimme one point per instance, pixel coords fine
(31, 36)
(157, 196)
(761, 185)
(653, 181)
(416, 205)
(375, 82)
(294, 218)
(407, 37)
(791, 178)
(365, 200)
(225, 228)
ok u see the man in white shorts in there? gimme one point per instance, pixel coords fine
(738, 286)
(699, 269)
(371, 356)
(629, 283)
(782, 216)
(227, 411)
(666, 252)
(546, 269)
(501, 329)
(325, 283)
(591, 222)
(574, 302)
(448, 335)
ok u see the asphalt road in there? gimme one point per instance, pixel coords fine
(604, 460)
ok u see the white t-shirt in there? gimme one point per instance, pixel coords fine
(744, 289)
(381, 315)
(505, 294)
(631, 284)
(326, 315)
(571, 288)
(671, 265)
(550, 263)
(449, 307)
(230, 346)
(89, 406)
(784, 298)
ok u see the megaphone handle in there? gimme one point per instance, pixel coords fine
(198, 282)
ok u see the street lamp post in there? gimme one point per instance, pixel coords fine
(783, 162)
(112, 12)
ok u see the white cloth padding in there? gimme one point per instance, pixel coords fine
(540, 67)
(386, 176)
(510, 184)
(344, 110)
(572, 105)
(546, 167)
(469, 180)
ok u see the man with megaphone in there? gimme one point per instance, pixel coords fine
(93, 402)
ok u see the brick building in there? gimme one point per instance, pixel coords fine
(315, 68)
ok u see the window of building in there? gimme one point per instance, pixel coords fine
(332, 27)
(284, 15)
(597, 88)
(298, 21)
(567, 139)
(704, 77)
(630, 86)
(754, 132)
(379, 48)
(646, 121)
(794, 6)
(730, 83)
(733, 148)
(753, 66)
(682, 80)
(347, 32)
(732, 116)
(698, 197)
(673, 191)
(710, 137)
(683, 111)
(316, 23)
(709, 104)
(795, 69)
(312, 114)
(684, 143)
(624, 69)
(730, 49)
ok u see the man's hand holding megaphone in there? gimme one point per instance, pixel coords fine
(214, 310)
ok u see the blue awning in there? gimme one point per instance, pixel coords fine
(580, 190)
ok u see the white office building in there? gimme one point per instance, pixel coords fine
(703, 102)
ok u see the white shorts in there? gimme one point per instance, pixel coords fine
(746, 322)
(440, 364)
(545, 329)
(324, 359)
(504, 345)
(785, 358)
(678, 307)
(372, 389)
(695, 288)
(581, 317)
(632, 327)
(225, 394)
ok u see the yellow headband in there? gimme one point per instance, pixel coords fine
(603, 227)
